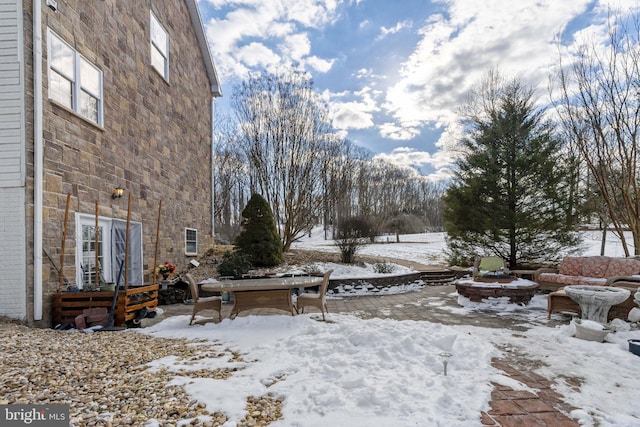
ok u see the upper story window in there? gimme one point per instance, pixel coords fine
(159, 48)
(74, 82)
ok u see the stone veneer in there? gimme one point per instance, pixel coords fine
(375, 283)
(155, 142)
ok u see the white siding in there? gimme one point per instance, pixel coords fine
(13, 283)
(13, 293)
(12, 149)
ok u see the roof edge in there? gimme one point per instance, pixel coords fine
(196, 21)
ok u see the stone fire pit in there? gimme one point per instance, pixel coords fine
(519, 291)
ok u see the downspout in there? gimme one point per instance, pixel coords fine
(213, 171)
(37, 160)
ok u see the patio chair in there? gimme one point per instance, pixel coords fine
(317, 300)
(490, 266)
(201, 304)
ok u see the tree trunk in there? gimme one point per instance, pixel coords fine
(604, 239)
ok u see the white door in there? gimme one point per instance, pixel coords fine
(110, 246)
(87, 243)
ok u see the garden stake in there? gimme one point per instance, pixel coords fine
(114, 303)
(155, 256)
(96, 268)
(64, 238)
(126, 247)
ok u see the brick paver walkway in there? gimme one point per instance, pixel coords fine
(523, 408)
(508, 407)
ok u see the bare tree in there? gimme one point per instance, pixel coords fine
(600, 109)
(281, 145)
(284, 131)
(231, 182)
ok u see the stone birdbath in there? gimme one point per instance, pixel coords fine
(595, 301)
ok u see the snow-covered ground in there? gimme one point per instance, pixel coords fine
(425, 248)
(428, 248)
(354, 372)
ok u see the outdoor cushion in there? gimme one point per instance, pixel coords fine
(588, 270)
(563, 279)
(571, 266)
(623, 267)
(491, 263)
(595, 266)
(592, 281)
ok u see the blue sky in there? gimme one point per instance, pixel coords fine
(396, 72)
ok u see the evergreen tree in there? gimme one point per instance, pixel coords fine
(259, 238)
(508, 194)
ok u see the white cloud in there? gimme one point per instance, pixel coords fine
(255, 54)
(356, 112)
(457, 49)
(297, 46)
(406, 156)
(440, 175)
(281, 23)
(443, 159)
(454, 52)
(420, 160)
(384, 31)
(319, 64)
(396, 132)
(310, 13)
(351, 115)
(363, 73)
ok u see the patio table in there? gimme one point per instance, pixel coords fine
(262, 293)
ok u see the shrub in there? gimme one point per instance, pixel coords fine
(383, 267)
(310, 268)
(351, 235)
(234, 264)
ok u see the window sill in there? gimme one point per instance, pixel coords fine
(159, 74)
(70, 111)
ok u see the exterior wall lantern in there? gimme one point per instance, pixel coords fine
(117, 192)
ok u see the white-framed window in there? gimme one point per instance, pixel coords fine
(159, 48)
(190, 241)
(110, 244)
(74, 82)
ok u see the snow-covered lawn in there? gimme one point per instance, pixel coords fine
(354, 372)
(429, 248)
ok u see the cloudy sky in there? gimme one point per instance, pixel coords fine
(395, 72)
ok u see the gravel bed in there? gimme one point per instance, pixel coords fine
(105, 379)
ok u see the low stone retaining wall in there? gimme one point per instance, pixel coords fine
(373, 284)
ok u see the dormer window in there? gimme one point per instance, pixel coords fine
(159, 48)
(74, 82)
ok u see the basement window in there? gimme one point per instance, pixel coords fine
(190, 241)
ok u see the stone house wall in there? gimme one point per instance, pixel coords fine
(155, 141)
